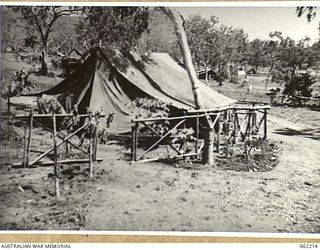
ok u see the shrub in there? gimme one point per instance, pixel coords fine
(299, 86)
(234, 79)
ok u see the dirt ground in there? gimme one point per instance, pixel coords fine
(162, 197)
(158, 196)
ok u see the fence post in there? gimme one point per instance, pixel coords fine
(135, 145)
(197, 136)
(55, 152)
(29, 138)
(234, 125)
(24, 163)
(265, 123)
(90, 157)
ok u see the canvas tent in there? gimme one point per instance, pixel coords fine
(111, 80)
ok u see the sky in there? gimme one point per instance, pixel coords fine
(258, 22)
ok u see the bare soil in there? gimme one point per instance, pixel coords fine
(170, 197)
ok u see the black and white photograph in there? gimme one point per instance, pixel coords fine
(160, 118)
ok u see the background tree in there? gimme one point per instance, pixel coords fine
(119, 27)
(160, 36)
(199, 37)
(299, 86)
(14, 31)
(65, 39)
(42, 19)
(256, 56)
(290, 56)
(215, 46)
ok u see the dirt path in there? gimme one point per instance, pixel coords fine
(161, 197)
(156, 196)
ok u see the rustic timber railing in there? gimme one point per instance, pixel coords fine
(58, 140)
(232, 125)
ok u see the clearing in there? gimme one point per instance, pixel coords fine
(158, 196)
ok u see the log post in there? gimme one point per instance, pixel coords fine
(197, 136)
(133, 137)
(55, 152)
(8, 102)
(24, 163)
(29, 138)
(95, 146)
(136, 138)
(265, 124)
(177, 21)
(90, 157)
(248, 128)
(208, 147)
(218, 137)
(67, 146)
(234, 126)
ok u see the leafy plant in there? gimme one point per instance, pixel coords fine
(120, 27)
(298, 87)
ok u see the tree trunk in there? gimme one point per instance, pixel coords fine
(8, 100)
(207, 75)
(183, 42)
(228, 70)
(268, 75)
(44, 63)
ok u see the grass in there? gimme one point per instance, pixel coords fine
(10, 65)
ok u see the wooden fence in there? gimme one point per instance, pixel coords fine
(29, 121)
(231, 126)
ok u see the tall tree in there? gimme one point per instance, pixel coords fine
(42, 19)
(256, 54)
(12, 29)
(290, 56)
(214, 45)
(178, 21)
(120, 27)
(160, 35)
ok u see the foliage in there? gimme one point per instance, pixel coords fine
(159, 36)
(149, 108)
(309, 11)
(299, 86)
(14, 31)
(234, 79)
(120, 27)
(258, 53)
(289, 56)
(42, 20)
(18, 85)
(215, 45)
(64, 40)
(201, 38)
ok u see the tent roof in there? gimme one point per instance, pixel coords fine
(111, 80)
(163, 78)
